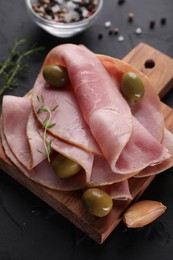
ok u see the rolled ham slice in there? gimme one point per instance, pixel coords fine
(148, 111)
(106, 112)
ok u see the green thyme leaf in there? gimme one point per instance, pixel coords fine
(51, 125)
(41, 152)
(49, 146)
(14, 64)
(53, 109)
(45, 122)
(44, 109)
(46, 125)
(42, 100)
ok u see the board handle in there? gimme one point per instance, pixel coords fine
(155, 64)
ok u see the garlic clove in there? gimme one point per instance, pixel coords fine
(142, 213)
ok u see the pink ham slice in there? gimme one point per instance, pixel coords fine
(101, 172)
(134, 142)
(103, 175)
(70, 124)
(98, 173)
(15, 113)
(82, 157)
(15, 130)
(104, 109)
(23, 136)
(152, 170)
(43, 173)
(31, 141)
(148, 111)
(34, 139)
(118, 191)
(45, 176)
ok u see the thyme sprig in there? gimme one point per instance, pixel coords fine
(47, 124)
(15, 63)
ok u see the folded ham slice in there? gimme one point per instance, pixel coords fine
(152, 170)
(95, 126)
(109, 117)
(148, 111)
(70, 125)
(15, 113)
(118, 191)
(44, 175)
(24, 137)
(24, 154)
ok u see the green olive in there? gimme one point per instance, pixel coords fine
(132, 87)
(56, 76)
(64, 167)
(97, 202)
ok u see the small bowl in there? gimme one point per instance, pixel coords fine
(61, 29)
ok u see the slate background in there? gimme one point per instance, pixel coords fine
(30, 229)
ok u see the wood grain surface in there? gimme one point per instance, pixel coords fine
(158, 67)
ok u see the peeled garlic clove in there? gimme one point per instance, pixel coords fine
(142, 213)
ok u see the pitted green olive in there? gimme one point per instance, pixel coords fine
(97, 202)
(64, 167)
(56, 76)
(132, 87)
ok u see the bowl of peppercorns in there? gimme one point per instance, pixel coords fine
(64, 18)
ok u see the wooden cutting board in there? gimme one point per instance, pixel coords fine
(158, 67)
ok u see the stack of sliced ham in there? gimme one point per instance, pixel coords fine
(95, 126)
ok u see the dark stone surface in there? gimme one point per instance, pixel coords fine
(29, 229)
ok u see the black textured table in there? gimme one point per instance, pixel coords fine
(29, 229)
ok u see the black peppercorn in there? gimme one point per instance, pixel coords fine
(120, 2)
(100, 36)
(163, 20)
(152, 24)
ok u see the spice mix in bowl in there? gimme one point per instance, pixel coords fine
(64, 18)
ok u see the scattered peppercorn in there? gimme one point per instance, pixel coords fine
(163, 20)
(111, 31)
(152, 24)
(116, 30)
(100, 36)
(120, 2)
(65, 11)
(138, 30)
(131, 17)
